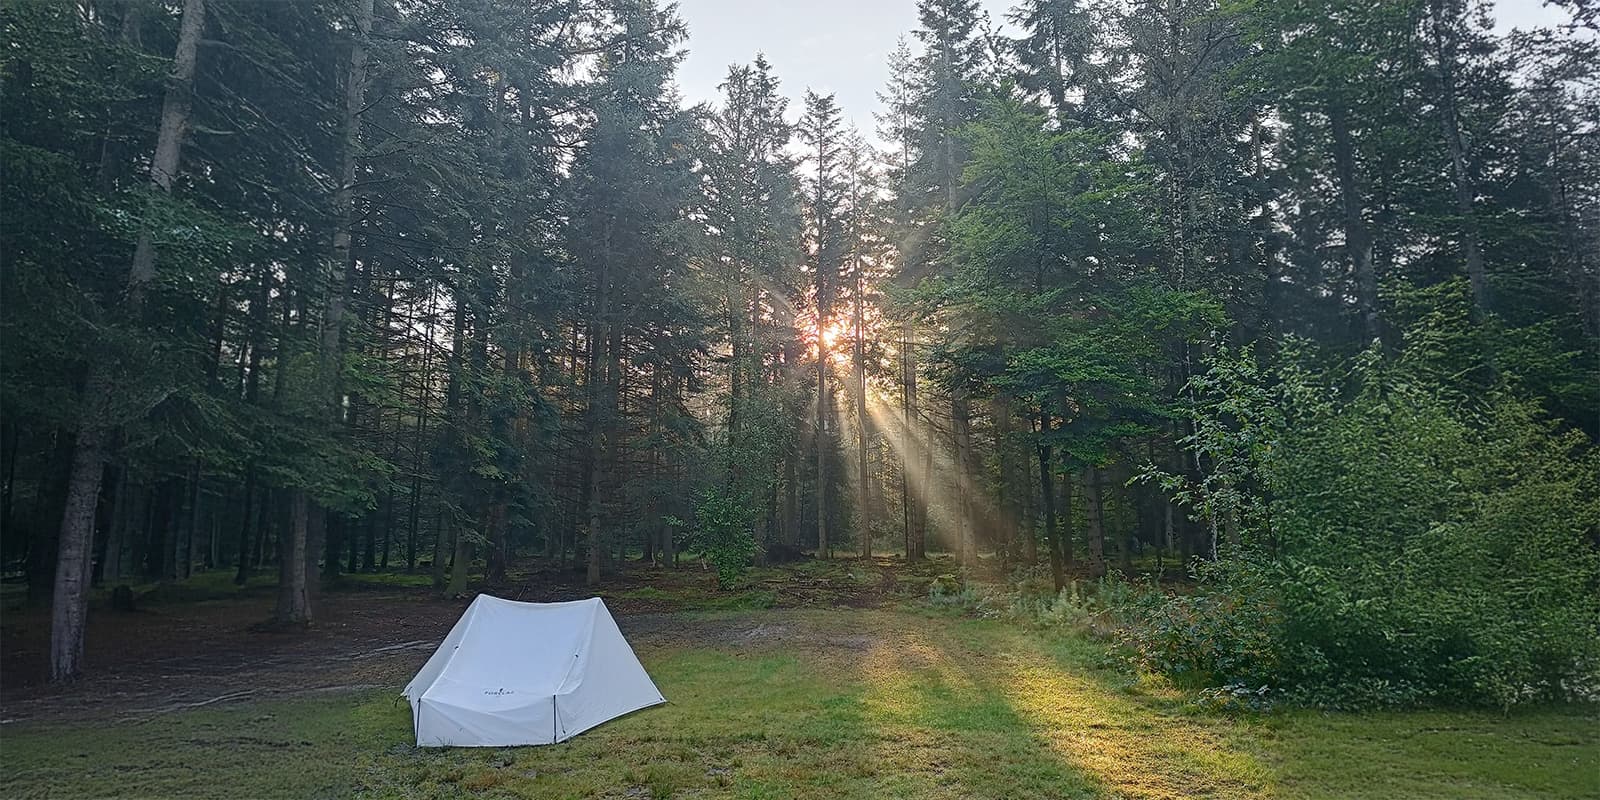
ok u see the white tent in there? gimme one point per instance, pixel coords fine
(515, 673)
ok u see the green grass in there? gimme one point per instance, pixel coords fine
(836, 703)
(390, 579)
(302, 748)
(694, 598)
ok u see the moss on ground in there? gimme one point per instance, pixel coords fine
(833, 703)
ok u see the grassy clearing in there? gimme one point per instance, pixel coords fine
(833, 703)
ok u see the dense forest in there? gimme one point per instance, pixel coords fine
(1304, 295)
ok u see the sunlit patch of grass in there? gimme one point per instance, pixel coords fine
(1129, 744)
(940, 733)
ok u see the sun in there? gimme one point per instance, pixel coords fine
(835, 332)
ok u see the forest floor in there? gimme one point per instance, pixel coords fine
(813, 680)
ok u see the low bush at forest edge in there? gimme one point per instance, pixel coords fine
(1392, 544)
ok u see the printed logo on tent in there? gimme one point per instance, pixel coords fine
(500, 692)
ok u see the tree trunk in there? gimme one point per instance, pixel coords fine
(1127, 535)
(388, 525)
(183, 544)
(906, 389)
(70, 604)
(459, 562)
(823, 549)
(1002, 523)
(597, 381)
(1358, 240)
(1066, 526)
(791, 500)
(1445, 46)
(1030, 518)
(350, 535)
(294, 602)
(117, 532)
(330, 359)
(1094, 517)
(10, 432)
(49, 505)
(438, 549)
(246, 525)
(369, 543)
(924, 505)
(333, 554)
(1047, 495)
(960, 430)
(864, 498)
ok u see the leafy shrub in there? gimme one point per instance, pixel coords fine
(1399, 545)
(947, 590)
(1202, 640)
(722, 532)
(943, 586)
(1234, 697)
(1070, 609)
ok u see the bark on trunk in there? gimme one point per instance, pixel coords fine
(597, 445)
(117, 532)
(1094, 514)
(1445, 44)
(294, 601)
(1358, 240)
(438, 549)
(70, 601)
(459, 562)
(960, 427)
(823, 550)
(864, 499)
(246, 527)
(1047, 495)
(70, 605)
(597, 381)
(330, 357)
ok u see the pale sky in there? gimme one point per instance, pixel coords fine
(843, 46)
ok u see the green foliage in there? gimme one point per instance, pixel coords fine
(1211, 639)
(1399, 545)
(947, 590)
(722, 533)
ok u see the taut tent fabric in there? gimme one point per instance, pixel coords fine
(515, 673)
